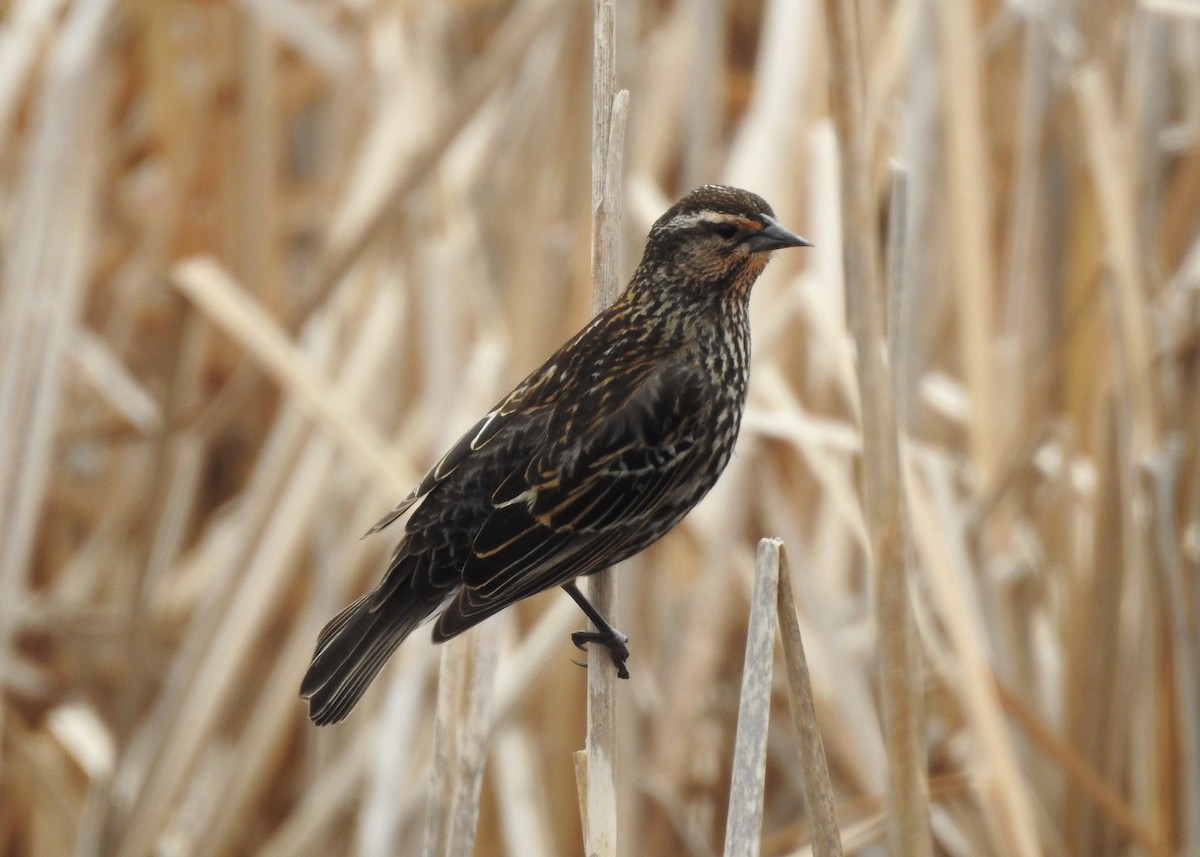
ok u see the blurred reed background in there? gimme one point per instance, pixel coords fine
(263, 259)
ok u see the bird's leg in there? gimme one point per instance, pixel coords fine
(606, 633)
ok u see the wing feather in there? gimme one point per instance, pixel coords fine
(580, 506)
(475, 439)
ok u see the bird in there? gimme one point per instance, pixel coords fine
(594, 456)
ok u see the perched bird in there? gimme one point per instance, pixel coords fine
(594, 456)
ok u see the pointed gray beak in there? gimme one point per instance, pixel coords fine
(774, 236)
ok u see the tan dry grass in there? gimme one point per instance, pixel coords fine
(261, 259)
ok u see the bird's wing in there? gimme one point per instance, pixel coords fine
(539, 390)
(582, 502)
(474, 440)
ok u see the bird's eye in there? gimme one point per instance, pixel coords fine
(725, 230)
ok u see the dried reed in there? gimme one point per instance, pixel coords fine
(260, 259)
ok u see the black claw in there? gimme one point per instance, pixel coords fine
(614, 642)
(607, 634)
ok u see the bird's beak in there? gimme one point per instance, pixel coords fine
(774, 236)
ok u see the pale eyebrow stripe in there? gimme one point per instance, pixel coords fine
(697, 217)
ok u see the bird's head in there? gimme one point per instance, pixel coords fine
(716, 238)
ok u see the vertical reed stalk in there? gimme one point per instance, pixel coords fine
(609, 109)
(908, 812)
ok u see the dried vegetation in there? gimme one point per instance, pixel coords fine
(261, 260)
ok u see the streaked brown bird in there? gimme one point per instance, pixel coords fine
(593, 457)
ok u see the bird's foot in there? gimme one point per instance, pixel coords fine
(613, 639)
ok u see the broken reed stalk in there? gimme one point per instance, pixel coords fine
(772, 600)
(609, 110)
(819, 801)
(452, 678)
(475, 724)
(463, 720)
(743, 825)
(908, 805)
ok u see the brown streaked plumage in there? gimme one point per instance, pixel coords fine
(593, 457)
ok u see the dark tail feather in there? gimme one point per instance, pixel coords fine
(352, 649)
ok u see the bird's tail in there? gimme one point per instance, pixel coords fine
(352, 649)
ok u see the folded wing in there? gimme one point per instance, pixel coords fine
(583, 504)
